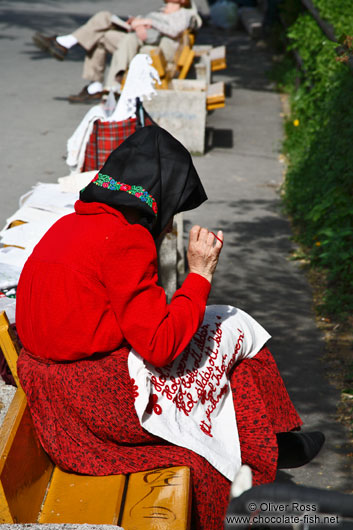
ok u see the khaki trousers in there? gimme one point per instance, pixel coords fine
(99, 37)
(167, 45)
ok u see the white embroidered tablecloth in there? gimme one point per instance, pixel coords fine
(189, 402)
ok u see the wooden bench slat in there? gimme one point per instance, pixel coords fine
(158, 499)
(80, 499)
(179, 68)
(216, 96)
(213, 106)
(25, 468)
(7, 433)
(9, 345)
(188, 57)
(218, 58)
(159, 61)
(5, 514)
(218, 64)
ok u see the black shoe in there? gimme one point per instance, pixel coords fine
(50, 45)
(85, 97)
(296, 449)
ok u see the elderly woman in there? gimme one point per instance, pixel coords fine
(101, 343)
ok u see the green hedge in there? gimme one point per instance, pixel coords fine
(318, 190)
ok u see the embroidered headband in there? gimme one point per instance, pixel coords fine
(105, 181)
(152, 172)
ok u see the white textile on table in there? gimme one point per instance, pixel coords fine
(75, 182)
(39, 209)
(27, 235)
(12, 260)
(8, 305)
(189, 402)
(49, 197)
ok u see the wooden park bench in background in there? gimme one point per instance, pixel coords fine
(183, 60)
(186, 92)
(215, 96)
(179, 68)
(218, 58)
(33, 489)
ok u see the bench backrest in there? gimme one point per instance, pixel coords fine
(179, 68)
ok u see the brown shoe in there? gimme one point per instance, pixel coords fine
(50, 45)
(85, 97)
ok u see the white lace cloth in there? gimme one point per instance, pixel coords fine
(189, 402)
(139, 83)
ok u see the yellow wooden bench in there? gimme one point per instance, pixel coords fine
(181, 64)
(215, 93)
(178, 68)
(215, 98)
(215, 55)
(33, 489)
(218, 58)
(11, 225)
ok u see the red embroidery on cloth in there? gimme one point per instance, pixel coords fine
(207, 382)
(134, 388)
(153, 406)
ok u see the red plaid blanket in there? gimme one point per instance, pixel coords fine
(105, 137)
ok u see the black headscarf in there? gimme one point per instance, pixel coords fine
(150, 171)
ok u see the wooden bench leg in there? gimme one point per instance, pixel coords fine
(160, 498)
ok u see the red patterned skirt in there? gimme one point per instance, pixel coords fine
(84, 415)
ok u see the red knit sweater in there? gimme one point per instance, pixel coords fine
(90, 286)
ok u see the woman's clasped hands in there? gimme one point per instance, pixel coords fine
(203, 251)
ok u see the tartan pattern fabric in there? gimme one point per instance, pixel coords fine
(105, 137)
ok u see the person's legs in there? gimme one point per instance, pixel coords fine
(266, 418)
(97, 37)
(256, 433)
(88, 35)
(126, 50)
(94, 65)
(95, 61)
(169, 47)
(92, 37)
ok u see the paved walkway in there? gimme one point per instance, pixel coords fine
(241, 172)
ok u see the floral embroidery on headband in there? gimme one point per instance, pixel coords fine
(105, 181)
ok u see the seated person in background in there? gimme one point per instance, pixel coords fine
(100, 35)
(88, 295)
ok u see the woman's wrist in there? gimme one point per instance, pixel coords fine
(207, 276)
